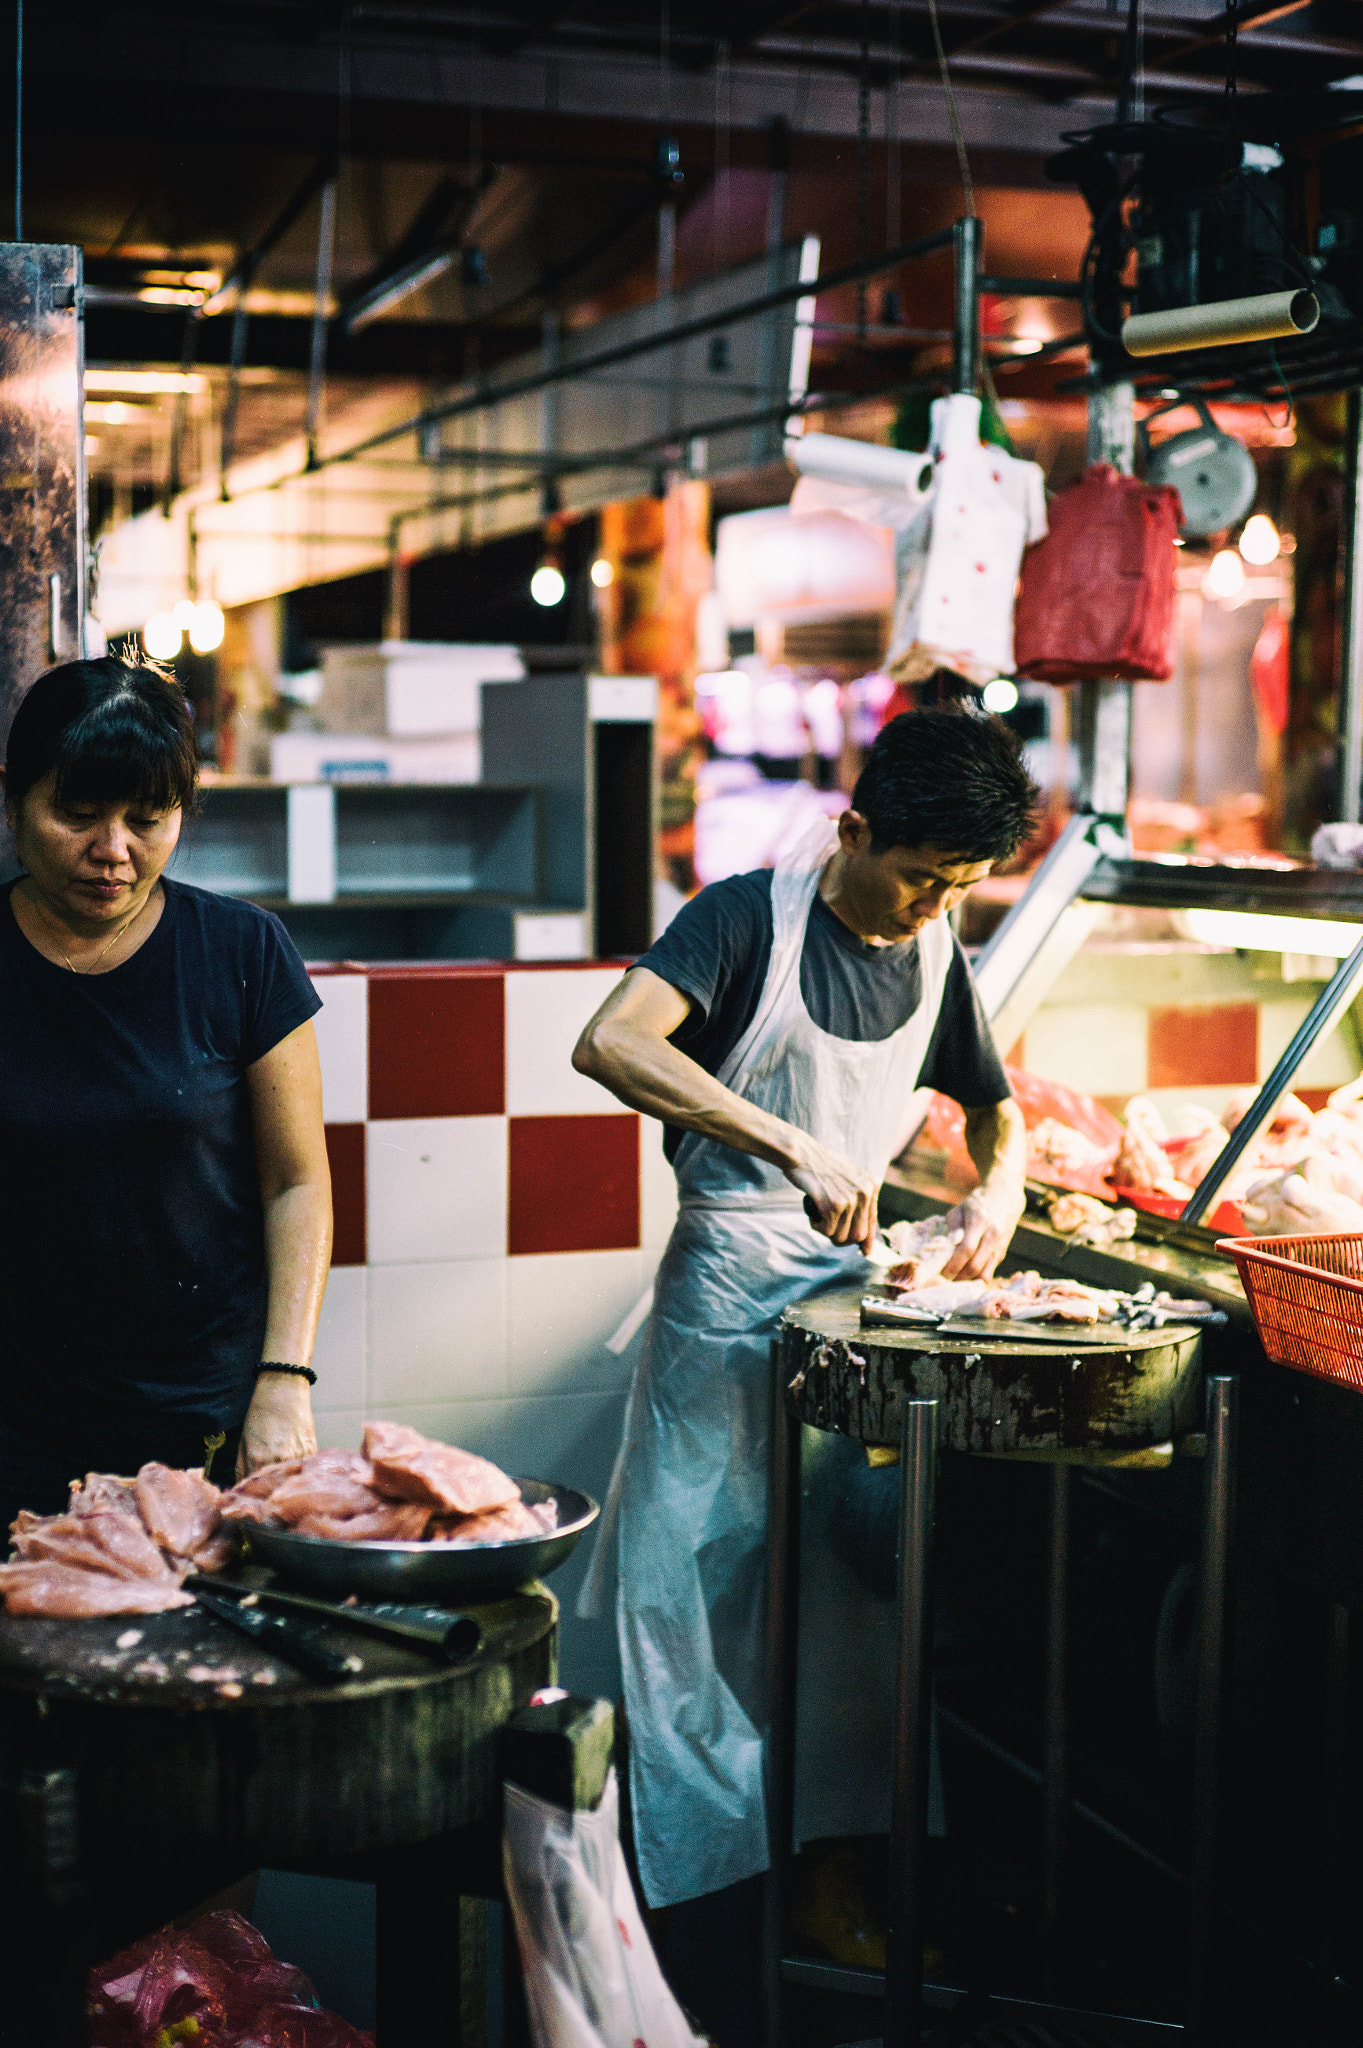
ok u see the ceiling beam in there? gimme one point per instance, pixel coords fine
(390, 348)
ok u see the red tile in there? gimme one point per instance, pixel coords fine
(574, 1184)
(345, 1151)
(1203, 1048)
(436, 1045)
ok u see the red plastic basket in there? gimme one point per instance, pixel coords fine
(1306, 1296)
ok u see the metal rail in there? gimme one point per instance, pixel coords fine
(620, 352)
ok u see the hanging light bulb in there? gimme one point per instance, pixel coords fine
(207, 627)
(1225, 575)
(183, 614)
(603, 573)
(1000, 695)
(1259, 542)
(161, 636)
(547, 586)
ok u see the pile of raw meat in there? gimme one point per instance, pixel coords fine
(401, 1488)
(916, 1283)
(126, 1546)
(1303, 1174)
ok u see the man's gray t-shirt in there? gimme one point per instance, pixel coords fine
(716, 951)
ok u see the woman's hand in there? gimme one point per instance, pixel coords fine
(278, 1422)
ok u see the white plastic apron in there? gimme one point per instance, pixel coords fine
(693, 1469)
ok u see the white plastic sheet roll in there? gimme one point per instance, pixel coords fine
(841, 461)
(1272, 316)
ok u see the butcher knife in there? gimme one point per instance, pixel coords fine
(280, 1637)
(439, 1631)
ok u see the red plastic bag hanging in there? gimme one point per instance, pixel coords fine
(1096, 600)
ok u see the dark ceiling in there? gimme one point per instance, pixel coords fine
(182, 140)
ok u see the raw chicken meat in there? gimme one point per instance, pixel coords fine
(409, 1466)
(402, 1488)
(1194, 1158)
(104, 1540)
(1142, 1164)
(1089, 1221)
(181, 1511)
(1141, 1114)
(336, 1484)
(499, 1525)
(68, 1591)
(1055, 1150)
(102, 1490)
(923, 1249)
(1286, 1205)
(946, 1297)
(261, 1484)
(1062, 1301)
(388, 1521)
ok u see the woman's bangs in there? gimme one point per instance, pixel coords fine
(116, 760)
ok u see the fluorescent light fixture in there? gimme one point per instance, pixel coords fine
(1255, 932)
(391, 291)
(109, 412)
(167, 295)
(150, 382)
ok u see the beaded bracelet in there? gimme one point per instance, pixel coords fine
(302, 1372)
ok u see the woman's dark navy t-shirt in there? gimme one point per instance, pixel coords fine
(132, 1253)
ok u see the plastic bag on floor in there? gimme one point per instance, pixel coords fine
(216, 1984)
(591, 1977)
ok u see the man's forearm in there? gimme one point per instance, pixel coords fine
(648, 1074)
(996, 1139)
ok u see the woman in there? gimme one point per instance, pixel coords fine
(165, 1204)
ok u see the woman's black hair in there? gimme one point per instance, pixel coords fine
(952, 780)
(117, 730)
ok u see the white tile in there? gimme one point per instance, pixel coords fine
(657, 1187)
(342, 1027)
(437, 1332)
(339, 1429)
(1099, 1047)
(338, 1359)
(561, 1308)
(545, 1013)
(436, 1188)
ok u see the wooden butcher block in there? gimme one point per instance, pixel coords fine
(1089, 1395)
(195, 1746)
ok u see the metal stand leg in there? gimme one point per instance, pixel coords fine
(1217, 1531)
(418, 1958)
(1334, 1789)
(913, 1707)
(1055, 1786)
(783, 1602)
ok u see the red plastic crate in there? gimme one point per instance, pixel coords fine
(1306, 1296)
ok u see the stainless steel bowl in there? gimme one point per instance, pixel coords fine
(431, 1572)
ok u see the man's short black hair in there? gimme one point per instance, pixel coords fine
(948, 779)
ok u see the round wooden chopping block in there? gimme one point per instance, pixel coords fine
(194, 1747)
(995, 1396)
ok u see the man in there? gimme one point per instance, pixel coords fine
(779, 1028)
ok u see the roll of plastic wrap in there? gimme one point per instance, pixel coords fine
(838, 460)
(1272, 316)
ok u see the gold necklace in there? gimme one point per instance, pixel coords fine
(50, 922)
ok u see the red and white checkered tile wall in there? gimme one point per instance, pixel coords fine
(497, 1215)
